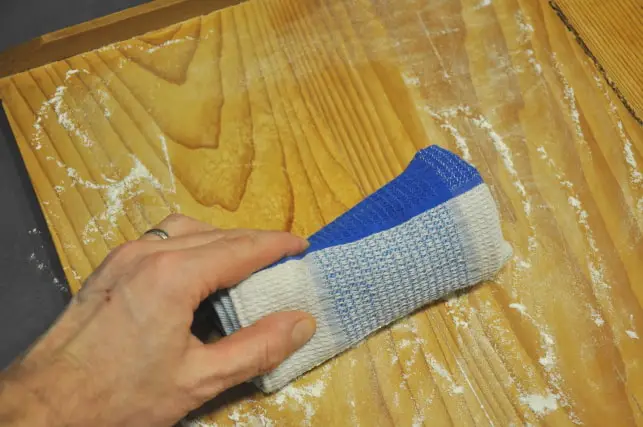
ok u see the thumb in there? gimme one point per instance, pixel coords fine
(257, 349)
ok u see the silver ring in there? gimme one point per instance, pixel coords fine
(158, 232)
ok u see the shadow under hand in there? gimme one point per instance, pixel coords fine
(206, 327)
(228, 397)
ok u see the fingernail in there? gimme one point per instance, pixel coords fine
(303, 332)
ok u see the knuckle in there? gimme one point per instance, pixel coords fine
(160, 261)
(174, 218)
(245, 241)
(126, 251)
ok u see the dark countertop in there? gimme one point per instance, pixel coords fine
(32, 285)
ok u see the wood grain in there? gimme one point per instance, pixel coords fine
(282, 114)
(612, 33)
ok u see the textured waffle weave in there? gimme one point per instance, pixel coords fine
(429, 232)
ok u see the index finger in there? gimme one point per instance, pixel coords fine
(221, 264)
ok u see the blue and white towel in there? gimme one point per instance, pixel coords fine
(429, 232)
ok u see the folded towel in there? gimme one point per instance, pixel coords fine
(429, 232)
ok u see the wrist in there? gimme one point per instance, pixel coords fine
(21, 406)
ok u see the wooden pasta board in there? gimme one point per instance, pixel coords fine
(283, 114)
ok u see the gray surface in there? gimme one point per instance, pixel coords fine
(30, 298)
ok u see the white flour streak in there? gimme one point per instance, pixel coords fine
(593, 257)
(104, 98)
(460, 141)
(519, 307)
(635, 174)
(442, 372)
(570, 98)
(169, 43)
(473, 390)
(445, 74)
(548, 361)
(501, 148)
(443, 118)
(524, 36)
(507, 159)
(168, 162)
(573, 200)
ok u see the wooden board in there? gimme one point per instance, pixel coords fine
(102, 31)
(283, 114)
(611, 32)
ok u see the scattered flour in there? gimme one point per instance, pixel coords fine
(482, 4)
(521, 264)
(63, 115)
(459, 311)
(526, 29)
(418, 421)
(531, 58)
(635, 175)
(507, 159)
(520, 307)
(250, 420)
(541, 405)
(596, 316)
(594, 257)
(549, 363)
(410, 80)
(196, 423)
(446, 31)
(396, 399)
(303, 397)
(116, 193)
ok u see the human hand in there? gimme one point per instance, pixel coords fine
(122, 353)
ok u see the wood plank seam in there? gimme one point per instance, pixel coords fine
(594, 59)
